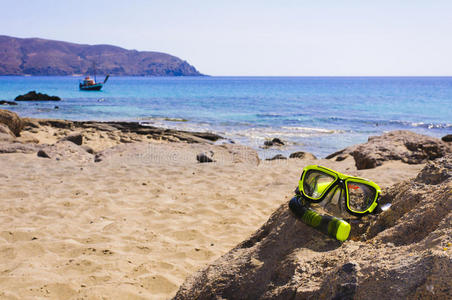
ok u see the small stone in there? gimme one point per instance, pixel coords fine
(42, 153)
(349, 268)
(76, 138)
(203, 158)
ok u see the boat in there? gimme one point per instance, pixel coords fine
(90, 84)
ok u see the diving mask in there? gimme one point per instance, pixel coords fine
(337, 194)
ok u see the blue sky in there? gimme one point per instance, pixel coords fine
(263, 38)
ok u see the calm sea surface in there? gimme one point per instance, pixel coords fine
(315, 114)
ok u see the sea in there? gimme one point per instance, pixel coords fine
(315, 114)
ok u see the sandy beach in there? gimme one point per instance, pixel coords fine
(136, 223)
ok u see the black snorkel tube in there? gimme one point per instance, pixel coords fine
(329, 225)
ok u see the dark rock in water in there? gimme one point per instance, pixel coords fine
(277, 156)
(33, 96)
(4, 102)
(56, 107)
(203, 158)
(407, 146)
(11, 120)
(404, 253)
(447, 138)
(302, 155)
(76, 138)
(274, 142)
(42, 153)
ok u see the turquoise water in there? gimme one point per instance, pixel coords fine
(315, 114)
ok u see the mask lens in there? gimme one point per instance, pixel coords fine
(315, 183)
(360, 196)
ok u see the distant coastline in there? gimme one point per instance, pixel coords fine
(41, 57)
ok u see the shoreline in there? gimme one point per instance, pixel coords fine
(144, 216)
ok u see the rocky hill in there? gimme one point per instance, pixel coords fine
(35, 56)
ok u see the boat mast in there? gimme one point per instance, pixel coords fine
(94, 68)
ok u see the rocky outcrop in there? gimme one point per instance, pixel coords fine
(33, 96)
(402, 253)
(4, 102)
(134, 127)
(273, 142)
(302, 155)
(12, 120)
(447, 138)
(407, 146)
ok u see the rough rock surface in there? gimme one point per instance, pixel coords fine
(33, 96)
(302, 155)
(11, 147)
(402, 253)
(447, 138)
(134, 127)
(4, 129)
(11, 120)
(407, 146)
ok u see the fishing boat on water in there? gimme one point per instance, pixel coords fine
(90, 84)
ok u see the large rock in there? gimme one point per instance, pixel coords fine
(33, 96)
(402, 253)
(407, 146)
(11, 120)
(302, 155)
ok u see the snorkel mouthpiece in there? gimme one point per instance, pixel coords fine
(329, 225)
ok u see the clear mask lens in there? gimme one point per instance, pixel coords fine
(316, 183)
(360, 196)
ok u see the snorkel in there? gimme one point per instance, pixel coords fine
(329, 225)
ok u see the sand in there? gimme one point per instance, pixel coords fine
(136, 224)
